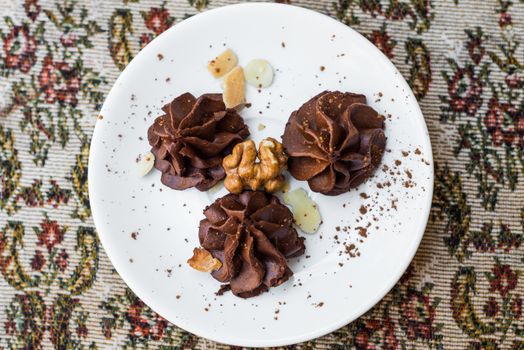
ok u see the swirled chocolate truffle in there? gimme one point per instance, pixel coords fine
(192, 137)
(252, 235)
(335, 141)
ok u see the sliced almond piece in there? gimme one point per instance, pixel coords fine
(234, 88)
(305, 210)
(223, 63)
(202, 260)
(259, 73)
(145, 163)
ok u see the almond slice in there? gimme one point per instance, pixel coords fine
(305, 210)
(202, 260)
(145, 163)
(223, 63)
(234, 88)
(259, 73)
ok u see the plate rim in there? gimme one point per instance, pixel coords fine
(372, 301)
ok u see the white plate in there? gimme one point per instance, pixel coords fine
(322, 295)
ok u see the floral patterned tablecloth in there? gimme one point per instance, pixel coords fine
(462, 58)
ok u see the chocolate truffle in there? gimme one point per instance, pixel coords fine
(335, 141)
(252, 235)
(192, 137)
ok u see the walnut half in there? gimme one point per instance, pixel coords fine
(243, 171)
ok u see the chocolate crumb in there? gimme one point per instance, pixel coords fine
(418, 152)
(223, 289)
(394, 204)
(364, 195)
(362, 231)
(397, 162)
(134, 235)
(405, 153)
(350, 250)
(160, 56)
(283, 44)
(322, 68)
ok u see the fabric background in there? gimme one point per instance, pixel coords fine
(465, 64)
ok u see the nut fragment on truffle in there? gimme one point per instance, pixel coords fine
(202, 260)
(252, 235)
(335, 141)
(223, 63)
(191, 138)
(243, 171)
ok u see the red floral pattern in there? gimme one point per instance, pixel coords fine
(20, 49)
(38, 261)
(417, 315)
(141, 325)
(61, 260)
(50, 234)
(32, 9)
(383, 41)
(498, 117)
(157, 20)
(516, 307)
(503, 279)
(465, 90)
(491, 308)
(59, 81)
